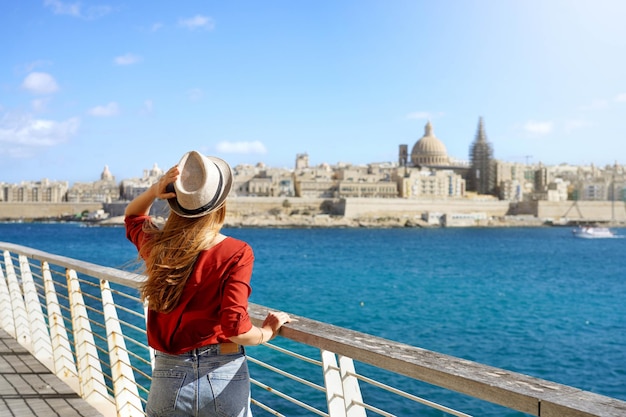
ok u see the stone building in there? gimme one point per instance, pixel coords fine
(265, 182)
(429, 151)
(430, 172)
(513, 180)
(104, 190)
(302, 161)
(431, 184)
(601, 184)
(317, 182)
(367, 181)
(44, 191)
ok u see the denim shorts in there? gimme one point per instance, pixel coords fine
(200, 383)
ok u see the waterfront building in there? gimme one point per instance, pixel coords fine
(427, 172)
(308, 185)
(617, 191)
(431, 184)
(104, 190)
(375, 180)
(242, 174)
(511, 190)
(557, 190)
(595, 184)
(44, 191)
(430, 173)
(481, 176)
(379, 189)
(302, 161)
(512, 180)
(315, 182)
(367, 181)
(429, 151)
(263, 182)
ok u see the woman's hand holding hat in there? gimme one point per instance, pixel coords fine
(162, 191)
(142, 203)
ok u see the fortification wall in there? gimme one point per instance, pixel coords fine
(351, 208)
(380, 207)
(582, 210)
(16, 211)
(247, 206)
(252, 205)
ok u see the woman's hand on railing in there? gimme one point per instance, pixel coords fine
(268, 330)
(275, 320)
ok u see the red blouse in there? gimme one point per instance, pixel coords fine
(214, 303)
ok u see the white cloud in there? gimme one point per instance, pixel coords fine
(157, 26)
(538, 128)
(40, 104)
(77, 10)
(571, 125)
(423, 115)
(111, 109)
(40, 83)
(22, 130)
(621, 97)
(58, 7)
(198, 22)
(255, 147)
(418, 115)
(127, 59)
(596, 104)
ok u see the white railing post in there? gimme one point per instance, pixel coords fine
(150, 348)
(351, 389)
(21, 328)
(125, 392)
(6, 311)
(92, 384)
(334, 388)
(42, 348)
(64, 365)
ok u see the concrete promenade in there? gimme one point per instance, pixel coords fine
(29, 389)
(350, 212)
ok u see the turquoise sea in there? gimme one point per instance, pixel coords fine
(531, 300)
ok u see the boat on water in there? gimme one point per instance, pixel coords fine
(593, 232)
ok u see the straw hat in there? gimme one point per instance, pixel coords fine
(202, 186)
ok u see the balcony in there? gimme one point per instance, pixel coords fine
(86, 324)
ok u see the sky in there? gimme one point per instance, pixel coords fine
(127, 84)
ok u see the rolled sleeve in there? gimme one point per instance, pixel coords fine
(134, 230)
(234, 318)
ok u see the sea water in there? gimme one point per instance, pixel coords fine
(530, 300)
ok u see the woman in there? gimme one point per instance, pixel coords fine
(197, 294)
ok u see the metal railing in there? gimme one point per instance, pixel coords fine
(86, 323)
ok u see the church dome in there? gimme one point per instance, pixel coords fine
(106, 174)
(429, 150)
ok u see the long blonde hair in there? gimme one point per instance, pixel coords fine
(170, 255)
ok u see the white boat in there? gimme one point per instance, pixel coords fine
(593, 232)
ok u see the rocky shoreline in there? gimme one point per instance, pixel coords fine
(328, 221)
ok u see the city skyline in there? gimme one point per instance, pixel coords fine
(90, 84)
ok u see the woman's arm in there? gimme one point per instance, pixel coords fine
(142, 203)
(269, 330)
